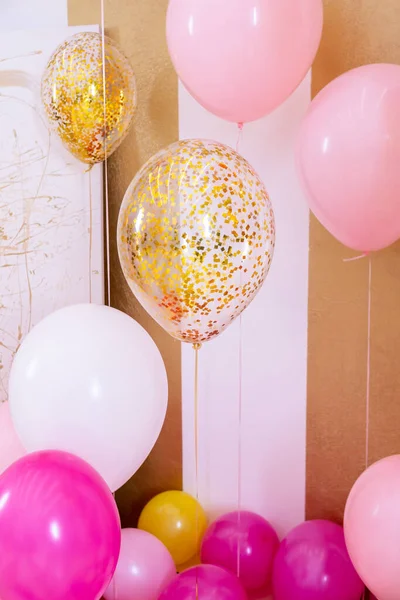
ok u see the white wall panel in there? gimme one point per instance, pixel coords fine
(274, 344)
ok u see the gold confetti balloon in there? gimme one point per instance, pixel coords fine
(73, 92)
(196, 236)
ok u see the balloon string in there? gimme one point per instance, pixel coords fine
(196, 415)
(106, 198)
(196, 445)
(240, 136)
(368, 369)
(353, 258)
(368, 383)
(239, 490)
(239, 432)
(107, 206)
(366, 595)
(90, 234)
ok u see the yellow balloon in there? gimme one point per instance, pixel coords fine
(73, 89)
(178, 521)
(196, 235)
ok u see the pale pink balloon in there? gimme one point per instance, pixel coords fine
(349, 155)
(101, 394)
(144, 569)
(372, 527)
(11, 448)
(242, 58)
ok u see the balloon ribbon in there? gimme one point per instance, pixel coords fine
(105, 167)
(239, 433)
(368, 382)
(196, 443)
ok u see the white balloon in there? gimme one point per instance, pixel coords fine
(90, 380)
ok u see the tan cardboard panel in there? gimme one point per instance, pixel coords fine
(139, 27)
(356, 32)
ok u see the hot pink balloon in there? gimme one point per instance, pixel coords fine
(145, 568)
(313, 564)
(59, 529)
(242, 58)
(203, 583)
(250, 535)
(11, 448)
(372, 527)
(349, 154)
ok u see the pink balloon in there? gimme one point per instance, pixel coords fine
(203, 583)
(145, 568)
(59, 529)
(242, 58)
(11, 448)
(372, 527)
(313, 564)
(250, 535)
(349, 154)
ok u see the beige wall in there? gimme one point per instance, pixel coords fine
(356, 32)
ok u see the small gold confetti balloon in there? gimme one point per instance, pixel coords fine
(73, 92)
(196, 236)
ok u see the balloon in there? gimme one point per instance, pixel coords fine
(203, 583)
(196, 236)
(89, 380)
(11, 448)
(144, 569)
(372, 526)
(73, 96)
(241, 59)
(249, 535)
(178, 521)
(313, 564)
(348, 155)
(60, 532)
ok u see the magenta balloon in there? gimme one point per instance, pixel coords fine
(372, 527)
(256, 541)
(242, 58)
(313, 564)
(145, 568)
(203, 583)
(59, 529)
(348, 157)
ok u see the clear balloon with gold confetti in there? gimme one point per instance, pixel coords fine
(196, 235)
(89, 102)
